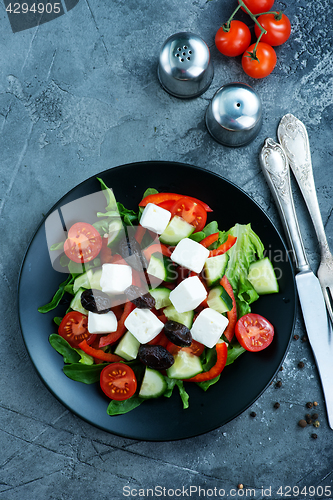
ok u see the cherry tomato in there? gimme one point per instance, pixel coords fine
(258, 6)
(278, 30)
(254, 332)
(264, 65)
(234, 41)
(118, 381)
(74, 328)
(191, 211)
(83, 243)
(195, 348)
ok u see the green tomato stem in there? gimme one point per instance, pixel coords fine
(277, 14)
(253, 54)
(226, 26)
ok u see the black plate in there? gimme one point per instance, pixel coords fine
(241, 383)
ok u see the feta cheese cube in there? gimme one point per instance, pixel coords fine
(102, 323)
(208, 327)
(190, 254)
(115, 278)
(155, 218)
(188, 294)
(143, 325)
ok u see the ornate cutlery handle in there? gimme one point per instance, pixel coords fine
(294, 139)
(274, 164)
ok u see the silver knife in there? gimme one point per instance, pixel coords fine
(274, 164)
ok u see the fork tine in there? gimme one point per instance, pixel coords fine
(328, 295)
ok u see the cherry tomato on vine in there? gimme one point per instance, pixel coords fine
(254, 332)
(233, 41)
(277, 26)
(263, 65)
(258, 6)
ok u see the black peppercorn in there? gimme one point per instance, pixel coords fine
(253, 414)
(304, 338)
(309, 404)
(314, 436)
(276, 405)
(278, 383)
(308, 418)
(281, 368)
(296, 337)
(315, 416)
(301, 364)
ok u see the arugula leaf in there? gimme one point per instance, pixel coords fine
(209, 229)
(149, 191)
(121, 407)
(57, 320)
(87, 374)
(57, 246)
(128, 216)
(234, 350)
(110, 197)
(171, 383)
(61, 345)
(57, 296)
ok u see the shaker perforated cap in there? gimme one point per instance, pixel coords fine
(185, 69)
(234, 115)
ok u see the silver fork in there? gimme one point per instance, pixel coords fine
(294, 139)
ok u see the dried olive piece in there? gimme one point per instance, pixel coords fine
(155, 357)
(130, 250)
(178, 333)
(140, 297)
(96, 301)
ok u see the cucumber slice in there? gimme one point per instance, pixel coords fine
(186, 365)
(176, 230)
(76, 302)
(153, 384)
(219, 299)
(161, 296)
(95, 280)
(262, 277)
(128, 347)
(82, 281)
(161, 267)
(116, 231)
(185, 318)
(215, 267)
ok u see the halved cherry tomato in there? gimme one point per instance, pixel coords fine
(232, 315)
(167, 205)
(258, 6)
(83, 243)
(277, 26)
(162, 197)
(118, 381)
(231, 240)
(74, 328)
(222, 354)
(98, 353)
(234, 40)
(254, 332)
(195, 348)
(191, 211)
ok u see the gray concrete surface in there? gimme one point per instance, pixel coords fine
(79, 95)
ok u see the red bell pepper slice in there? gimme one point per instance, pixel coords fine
(157, 247)
(162, 197)
(112, 337)
(160, 339)
(209, 240)
(224, 247)
(139, 234)
(222, 353)
(99, 353)
(232, 315)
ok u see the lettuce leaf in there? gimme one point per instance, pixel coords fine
(247, 249)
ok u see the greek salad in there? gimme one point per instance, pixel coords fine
(160, 297)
